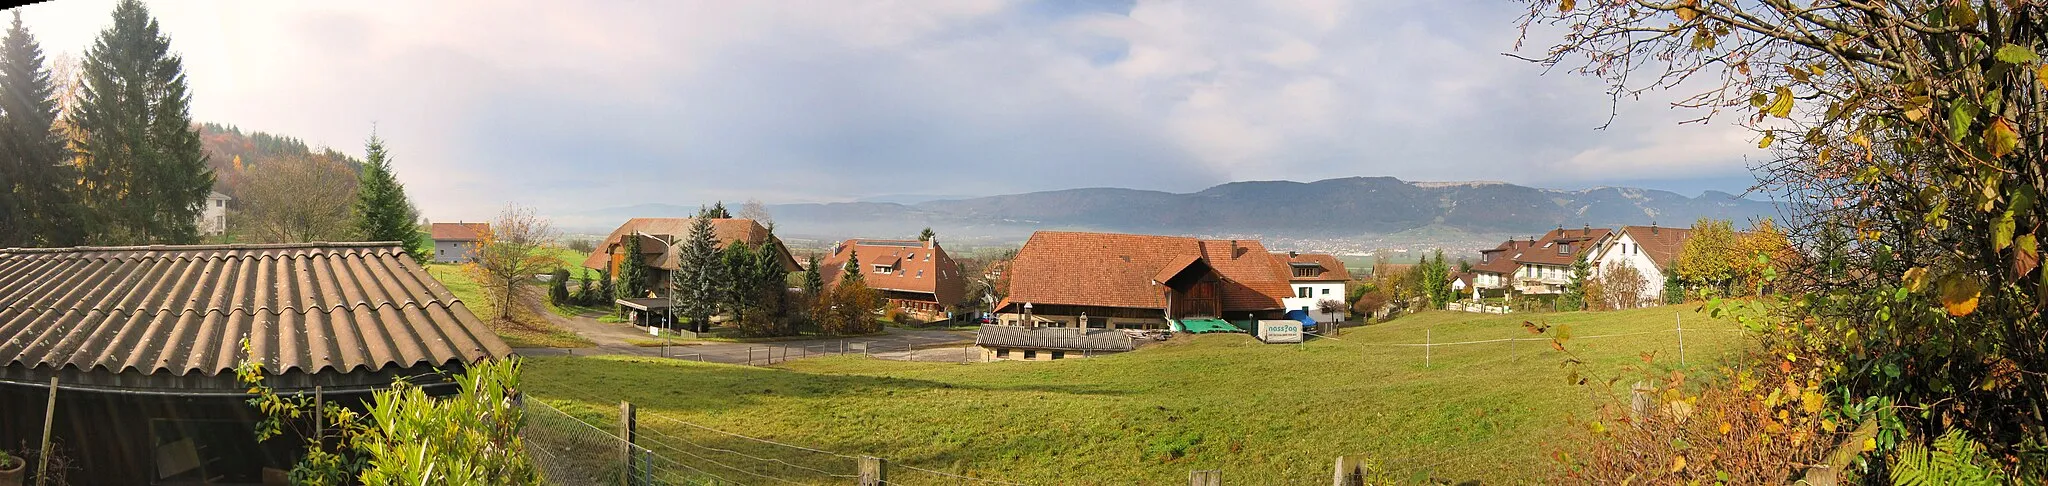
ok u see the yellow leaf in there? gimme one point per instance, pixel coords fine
(1916, 279)
(1566, 5)
(1869, 444)
(1959, 294)
(1827, 425)
(1725, 427)
(2000, 138)
(1677, 463)
(1811, 402)
(2042, 74)
(1768, 138)
(1781, 105)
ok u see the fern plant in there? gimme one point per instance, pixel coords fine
(1955, 460)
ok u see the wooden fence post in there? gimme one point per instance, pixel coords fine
(1425, 347)
(1681, 338)
(1209, 477)
(874, 471)
(626, 429)
(43, 457)
(1350, 472)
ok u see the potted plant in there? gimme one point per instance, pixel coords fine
(11, 469)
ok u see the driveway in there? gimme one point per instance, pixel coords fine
(901, 344)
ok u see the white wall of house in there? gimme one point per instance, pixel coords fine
(1315, 292)
(213, 214)
(1537, 278)
(1486, 280)
(454, 251)
(1625, 249)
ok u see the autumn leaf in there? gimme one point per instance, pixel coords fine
(1566, 5)
(1677, 463)
(2042, 75)
(1916, 279)
(2016, 54)
(2026, 255)
(2000, 138)
(2001, 231)
(1781, 105)
(1798, 74)
(1959, 294)
(1768, 138)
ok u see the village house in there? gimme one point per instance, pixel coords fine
(661, 241)
(916, 277)
(1315, 278)
(457, 242)
(1123, 281)
(1494, 275)
(143, 342)
(1651, 250)
(1545, 267)
(213, 214)
(1015, 343)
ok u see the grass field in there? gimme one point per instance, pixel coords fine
(530, 331)
(1262, 414)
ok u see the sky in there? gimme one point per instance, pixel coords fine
(576, 106)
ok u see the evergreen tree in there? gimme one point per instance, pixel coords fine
(1436, 280)
(1674, 288)
(632, 269)
(1574, 297)
(37, 207)
(851, 271)
(697, 273)
(814, 282)
(771, 285)
(736, 292)
(382, 212)
(144, 175)
(926, 235)
(716, 211)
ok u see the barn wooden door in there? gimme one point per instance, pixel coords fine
(1200, 300)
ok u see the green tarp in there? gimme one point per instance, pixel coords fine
(1199, 326)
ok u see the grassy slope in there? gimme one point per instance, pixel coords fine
(1273, 414)
(532, 331)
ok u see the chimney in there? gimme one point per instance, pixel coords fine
(930, 242)
(1587, 230)
(1292, 253)
(1653, 226)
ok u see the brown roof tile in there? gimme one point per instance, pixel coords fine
(181, 310)
(1117, 270)
(1546, 250)
(1332, 269)
(1501, 259)
(1662, 244)
(922, 270)
(459, 231)
(724, 230)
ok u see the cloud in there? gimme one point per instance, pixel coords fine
(580, 106)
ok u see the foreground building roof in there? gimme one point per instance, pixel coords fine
(1061, 338)
(174, 316)
(459, 231)
(1562, 247)
(1312, 267)
(921, 267)
(1120, 270)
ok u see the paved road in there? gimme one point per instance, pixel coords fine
(613, 339)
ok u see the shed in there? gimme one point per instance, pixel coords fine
(143, 342)
(1048, 343)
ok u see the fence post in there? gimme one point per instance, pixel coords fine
(43, 457)
(1681, 337)
(750, 355)
(874, 471)
(1350, 472)
(1425, 347)
(1209, 477)
(626, 428)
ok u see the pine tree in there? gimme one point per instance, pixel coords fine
(697, 272)
(37, 207)
(632, 269)
(716, 211)
(382, 212)
(851, 271)
(1574, 297)
(144, 174)
(814, 282)
(926, 235)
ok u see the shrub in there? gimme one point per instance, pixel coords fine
(558, 288)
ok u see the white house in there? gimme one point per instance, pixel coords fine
(1496, 268)
(1546, 267)
(213, 214)
(1650, 249)
(456, 242)
(1315, 278)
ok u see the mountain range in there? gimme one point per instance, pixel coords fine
(1346, 208)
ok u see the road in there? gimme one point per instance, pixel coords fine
(902, 344)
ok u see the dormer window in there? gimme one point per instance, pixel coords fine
(920, 274)
(1564, 249)
(882, 269)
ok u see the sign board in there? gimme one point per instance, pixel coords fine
(1279, 331)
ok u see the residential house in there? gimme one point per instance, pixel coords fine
(1494, 275)
(914, 276)
(1315, 278)
(661, 241)
(1651, 250)
(1016, 343)
(143, 342)
(213, 214)
(457, 242)
(1123, 281)
(1545, 267)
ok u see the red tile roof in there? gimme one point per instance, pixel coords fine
(459, 231)
(1547, 248)
(918, 269)
(1118, 270)
(725, 231)
(1661, 244)
(172, 316)
(1329, 268)
(1501, 259)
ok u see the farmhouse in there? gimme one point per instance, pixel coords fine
(1650, 250)
(660, 242)
(1315, 278)
(213, 214)
(916, 277)
(1046, 344)
(143, 342)
(1123, 281)
(456, 242)
(1545, 267)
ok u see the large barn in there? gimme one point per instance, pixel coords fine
(1124, 281)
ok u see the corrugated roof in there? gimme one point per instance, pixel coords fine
(459, 231)
(924, 270)
(1062, 338)
(181, 310)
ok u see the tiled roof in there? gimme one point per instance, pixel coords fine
(724, 230)
(1501, 259)
(1331, 268)
(1061, 338)
(1546, 251)
(1661, 244)
(919, 269)
(460, 231)
(1117, 270)
(180, 311)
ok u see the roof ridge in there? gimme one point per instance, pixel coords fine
(231, 246)
(268, 369)
(252, 311)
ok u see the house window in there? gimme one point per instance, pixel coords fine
(1326, 291)
(881, 269)
(1030, 354)
(920, 274)
(1303, 292)
(1564, 249)
(1003, 353)
(1306, 272)
(1485, 257)
(1059, 354)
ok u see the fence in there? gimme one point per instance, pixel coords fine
(1428, 343)
(768, 354)
(1476, 307)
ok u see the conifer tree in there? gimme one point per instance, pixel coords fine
(814, 282)
(37, 206)
(697, 272)
(927, 234)
(632, 269)
(851, 271)
(144, 175)
(716, 211)
(382, 211)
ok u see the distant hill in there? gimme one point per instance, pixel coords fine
(1335, 208)
(234, 155)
